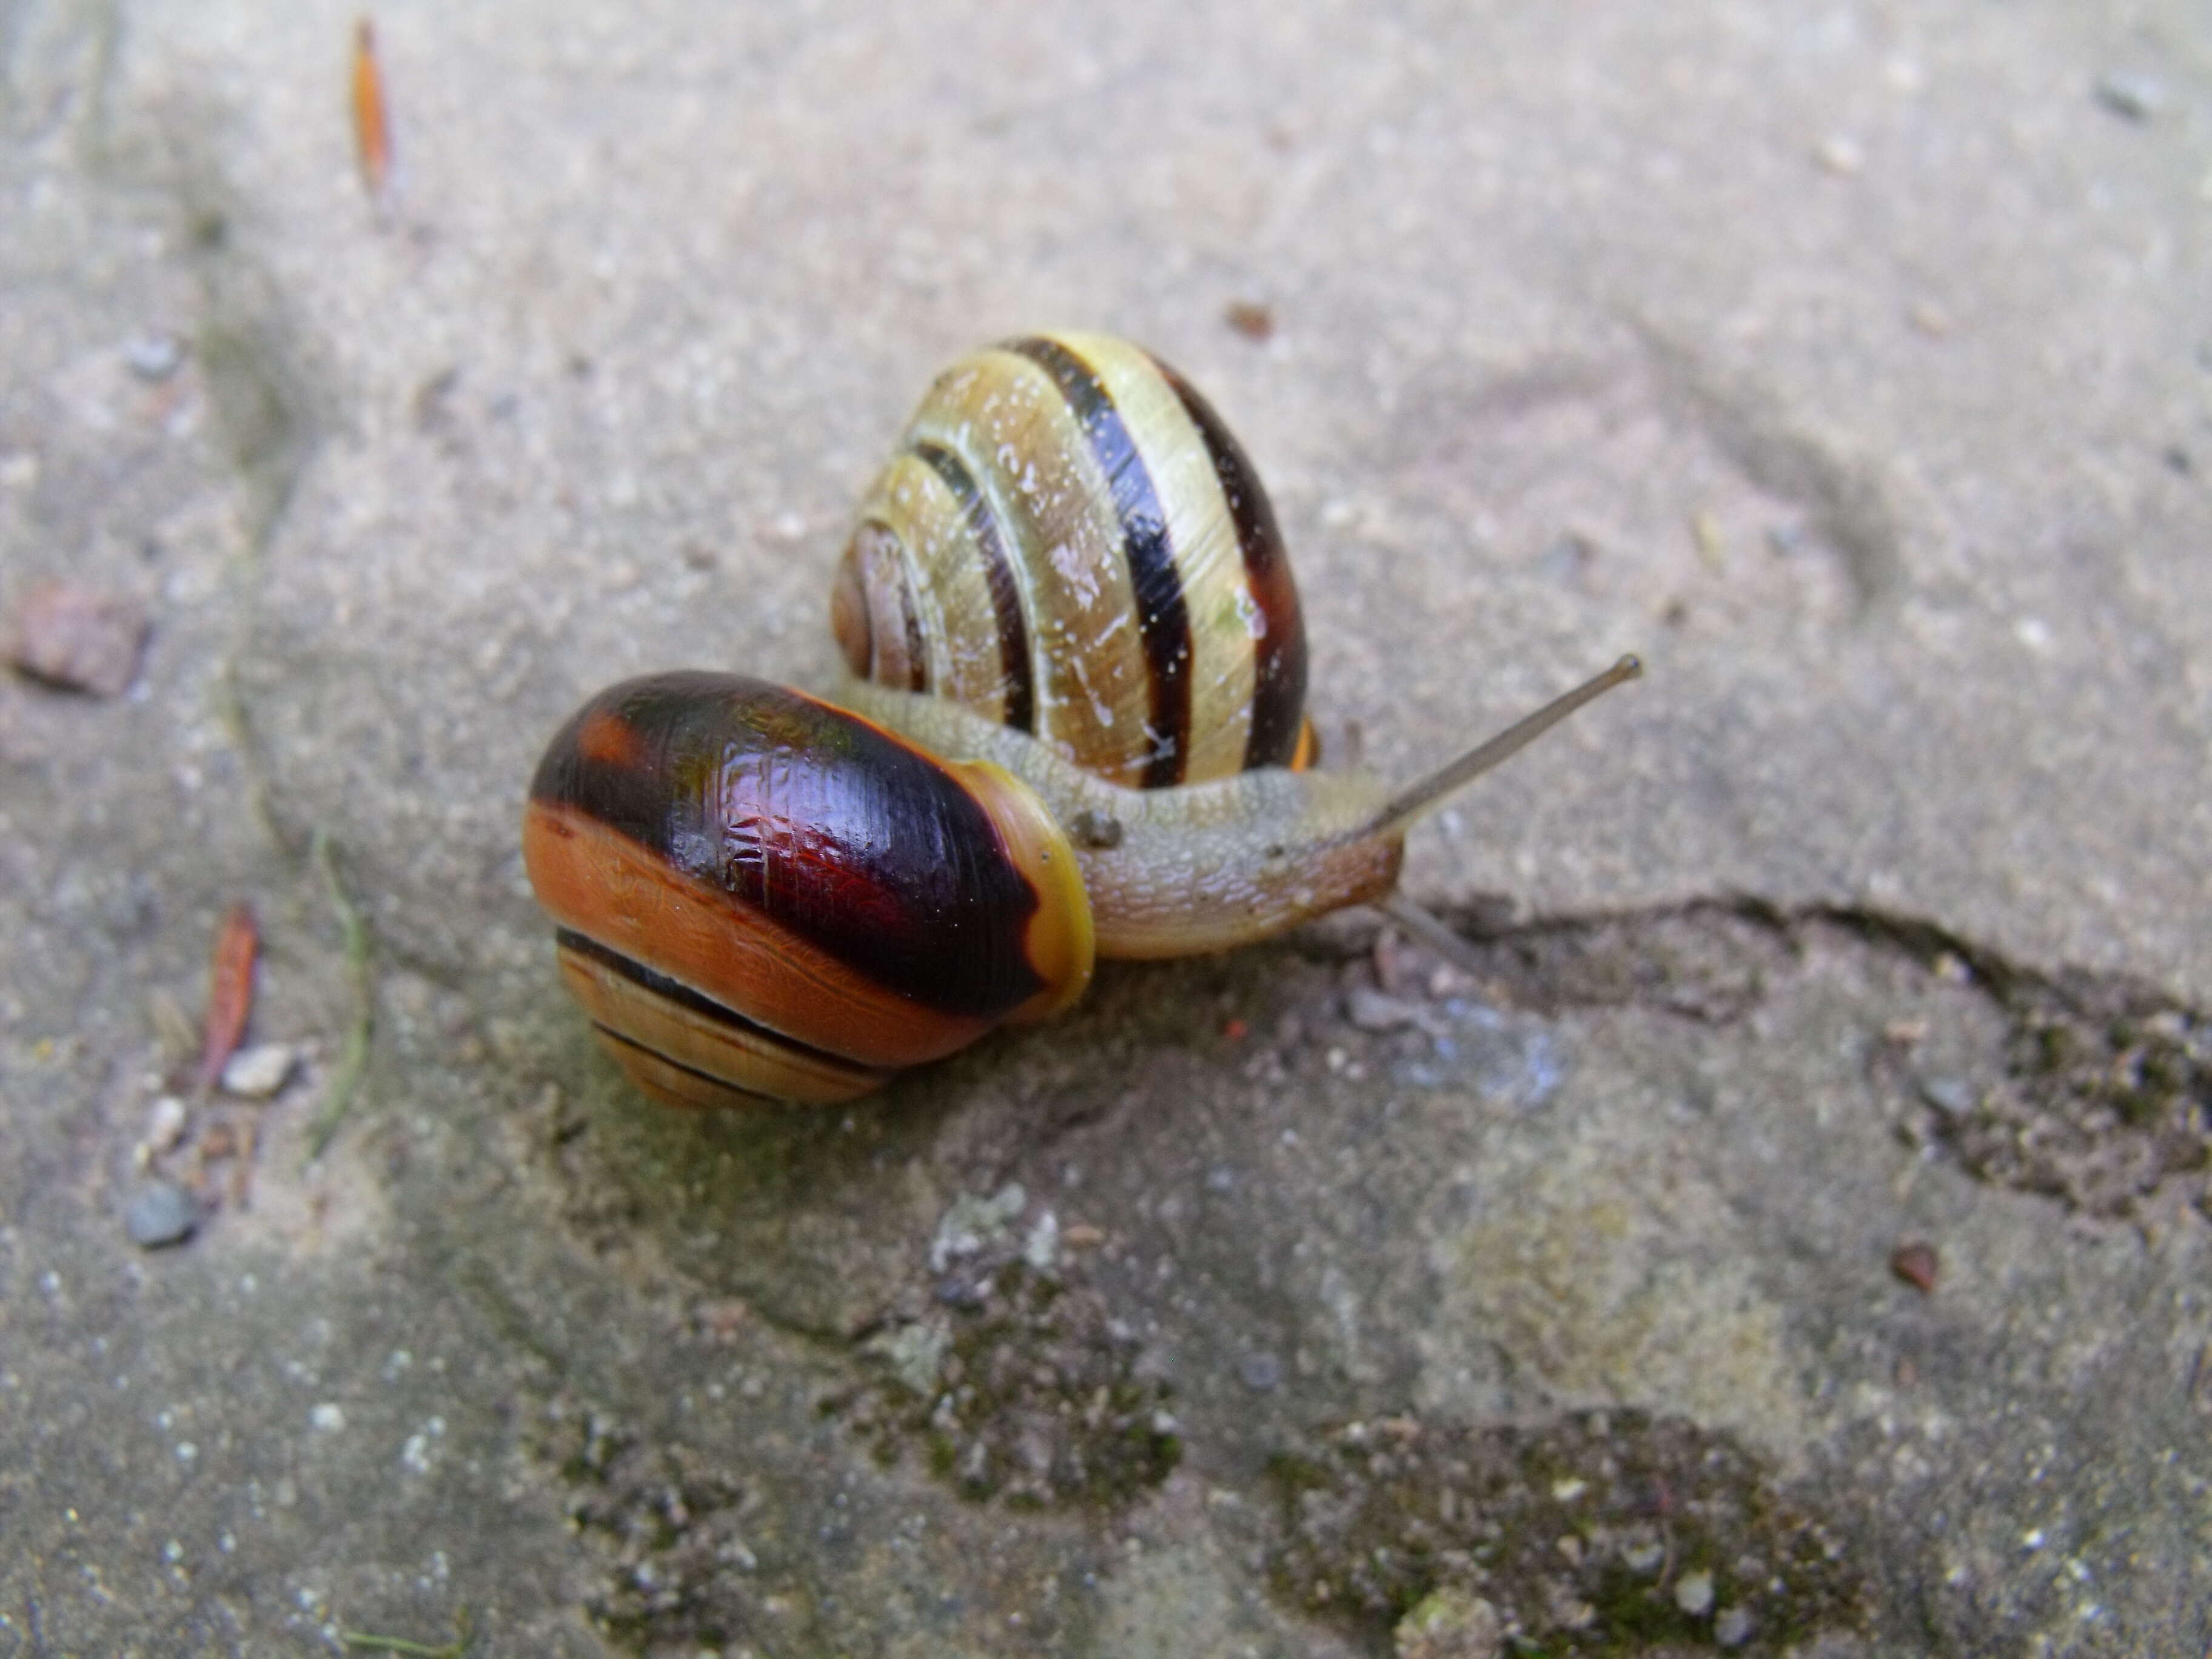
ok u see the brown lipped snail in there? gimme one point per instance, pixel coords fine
(1074, 726)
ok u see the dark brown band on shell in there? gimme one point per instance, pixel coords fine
(1278, 692)
(640, 1062)
(999, 572)
(1162, 618)
(683, 996)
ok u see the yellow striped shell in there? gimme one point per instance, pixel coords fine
(1070, 542)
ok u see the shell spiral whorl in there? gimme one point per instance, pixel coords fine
(1069, 540)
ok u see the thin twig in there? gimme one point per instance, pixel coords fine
(465, 1633)
(353, 1059)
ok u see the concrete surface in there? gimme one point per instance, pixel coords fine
(1852, 363)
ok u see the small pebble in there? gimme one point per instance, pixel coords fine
(1915, 1264)
(1733, 1628)
(160, 1213)
(1250, 319)
(1694, 1594)
(1041, 1250)
(2136, 97)
(1840, 155)
(1260, 1372)
(1372, 1010)
(1947, 1095)
(152, 357)
(1930, 319)
(258, 1073)
(165, 1123)
(79, 639)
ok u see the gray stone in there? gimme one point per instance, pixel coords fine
(1951, 1095)
(2138, 97)
(1372, 1010)
(159, 1213)
(154, 356)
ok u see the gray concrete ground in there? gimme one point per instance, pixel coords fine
(1853, 363)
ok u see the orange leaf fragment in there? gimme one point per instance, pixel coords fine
(371, 126)
(230, 991)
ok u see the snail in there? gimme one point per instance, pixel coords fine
(1073, 725)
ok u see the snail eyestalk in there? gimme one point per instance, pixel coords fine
(1417, 799)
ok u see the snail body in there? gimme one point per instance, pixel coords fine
(1074, 727)
(1176, 871)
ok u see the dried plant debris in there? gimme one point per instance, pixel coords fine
(681, 1534)
(372, 122)
(1019, 1387)
(230, 992)
(1598, 1532)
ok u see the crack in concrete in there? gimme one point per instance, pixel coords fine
(2101, 1093)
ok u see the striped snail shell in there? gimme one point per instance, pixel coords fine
(1075, 727)
(1070, 541)
(758, 895)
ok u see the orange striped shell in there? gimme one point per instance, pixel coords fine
(759, 895)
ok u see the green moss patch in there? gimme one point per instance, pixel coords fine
(1598, 1532)
(1022, 1389)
